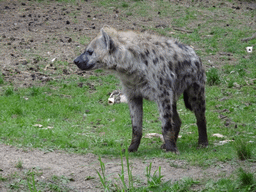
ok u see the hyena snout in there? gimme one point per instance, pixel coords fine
(82, 62)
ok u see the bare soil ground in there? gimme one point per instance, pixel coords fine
(80, 167)
(32, 34)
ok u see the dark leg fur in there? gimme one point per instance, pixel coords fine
(136, 113)
(185, 98)
(170, 142)
(195, 97)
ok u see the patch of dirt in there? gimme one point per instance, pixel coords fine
(33, 34)
(79, 167)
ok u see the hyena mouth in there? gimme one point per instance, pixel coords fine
(83, 65)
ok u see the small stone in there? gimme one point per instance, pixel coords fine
(236, 85)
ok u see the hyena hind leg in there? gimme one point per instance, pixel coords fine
(194, 98)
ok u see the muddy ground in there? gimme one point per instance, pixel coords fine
(34, 34)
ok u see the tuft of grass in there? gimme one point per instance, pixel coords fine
(129, 13)
(19, 165)
(9, 91)
(3, 178)
(34, 91)
(245, 178)
(106, 184)
(102, 176)
(1, 79)
(183, 185)
(129, 171)
(125, 4)
(154, 180)
(32, 184)
(231, 83)
(243, 150)
(223, 184)
(245, 182)
(213, 77)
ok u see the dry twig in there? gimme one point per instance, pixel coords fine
(249, 38)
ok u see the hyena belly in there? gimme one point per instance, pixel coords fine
(155, 68)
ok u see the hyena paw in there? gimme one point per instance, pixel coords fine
(171, 149)
(202, 144)
(163, 146)
(133, 148)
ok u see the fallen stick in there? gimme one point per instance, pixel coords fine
(183, 30)
(249, 38)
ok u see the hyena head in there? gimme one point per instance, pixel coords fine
(97, 50)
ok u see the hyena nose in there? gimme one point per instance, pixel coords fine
(76, 61)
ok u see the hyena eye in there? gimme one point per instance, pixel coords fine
(90, 52)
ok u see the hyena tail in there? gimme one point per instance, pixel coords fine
(187, 104)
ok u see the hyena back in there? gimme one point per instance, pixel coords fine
(156, 68)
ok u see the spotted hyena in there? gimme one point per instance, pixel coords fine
(156, 68)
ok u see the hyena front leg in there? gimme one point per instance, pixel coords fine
(170, 125)
(177, 121)
(136, 112)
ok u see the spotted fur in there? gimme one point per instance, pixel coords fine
(156, 68)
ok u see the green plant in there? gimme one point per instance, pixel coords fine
(213, 77)
(124, 4)
(102, 177)
(153, 180)
(1, 79)
(246, 178)
(9, 91)
(222, 184)
(32, 184)
(183, 185)
(19, 164)
(2, 178)
(34, 91)
(129, 171)
(231, 83)
(129, 13)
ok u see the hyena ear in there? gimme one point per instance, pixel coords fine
(108, 41)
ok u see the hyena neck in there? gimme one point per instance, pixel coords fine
(120, 61)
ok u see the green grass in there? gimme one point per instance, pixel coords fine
(19, 164)
(1, 79)
(243, 149)
(213, 77)
(28, 180)
(77, 113)
(243, 182)
(246, 178)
